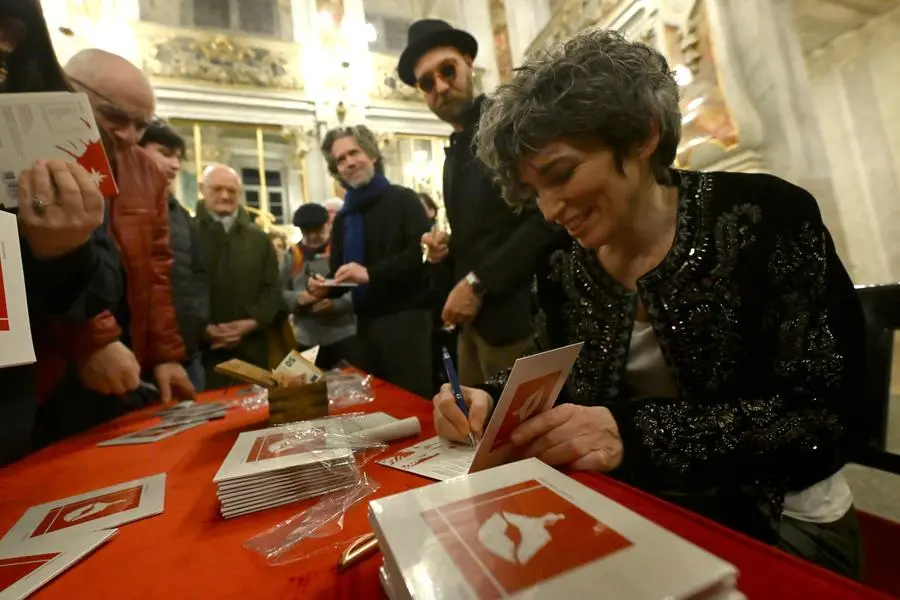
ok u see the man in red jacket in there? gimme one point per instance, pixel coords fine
(111, 360)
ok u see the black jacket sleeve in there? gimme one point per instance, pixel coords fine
(193, 313)
(78, 285)
(514, 261)
(403, 269)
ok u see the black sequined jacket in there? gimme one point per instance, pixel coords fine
(761, 329)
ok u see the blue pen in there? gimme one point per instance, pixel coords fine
(457, 392)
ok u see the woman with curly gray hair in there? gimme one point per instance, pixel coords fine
(723, 340)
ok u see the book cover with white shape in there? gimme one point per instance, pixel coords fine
(533, 385)
(27, 566)
(16, 347)
(50, 126)
(525, 530)
(296, 445)
(92, 511)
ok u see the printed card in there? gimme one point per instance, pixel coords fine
(285, 447)
(435, 458)
(339, 284)
(152, 434)
(532, 388)
(15, 330)
(93, 511)
(26, 566)
(54, 125)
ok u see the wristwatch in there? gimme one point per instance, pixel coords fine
(477, 287)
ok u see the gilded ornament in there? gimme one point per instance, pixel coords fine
(222, 60)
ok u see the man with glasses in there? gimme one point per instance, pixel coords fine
(143, 336)
(489, 261)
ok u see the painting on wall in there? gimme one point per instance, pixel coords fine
(707, 122)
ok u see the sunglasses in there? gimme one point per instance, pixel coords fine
(114, 113)
(446, 71)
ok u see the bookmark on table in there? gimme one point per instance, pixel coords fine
(457, 392)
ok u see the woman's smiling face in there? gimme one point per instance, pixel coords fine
(579, 185)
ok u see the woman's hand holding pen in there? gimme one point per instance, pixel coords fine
(450, 421)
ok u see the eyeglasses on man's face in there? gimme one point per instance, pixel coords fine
(115, 115)
(446, 71)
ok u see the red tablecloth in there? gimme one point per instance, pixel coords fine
(191, 552)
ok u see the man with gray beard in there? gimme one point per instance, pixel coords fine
(488, 263)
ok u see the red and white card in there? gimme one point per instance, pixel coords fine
(46, 126)
(532, 388)
(526, 530)
(284, 447)
(27, 566)
(100, 509)
(16, 347)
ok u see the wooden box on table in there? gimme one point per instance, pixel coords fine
(289, 401)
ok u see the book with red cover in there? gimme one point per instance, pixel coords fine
(525, 530)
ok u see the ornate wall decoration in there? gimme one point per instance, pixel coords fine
(190, 55)
(386, 84)
(300, 141)
(706, 117)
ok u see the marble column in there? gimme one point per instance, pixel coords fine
(525, 19)
(764, 75)
(475, 17)
(306, 33)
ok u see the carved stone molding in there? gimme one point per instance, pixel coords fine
(386, 84)
(192, 55)
(384, 138)
(301, 141)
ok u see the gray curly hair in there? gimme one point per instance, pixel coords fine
(363, 136)
(596, 83)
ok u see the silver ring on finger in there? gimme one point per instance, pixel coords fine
(39, 205)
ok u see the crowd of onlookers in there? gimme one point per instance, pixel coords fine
(723, 340)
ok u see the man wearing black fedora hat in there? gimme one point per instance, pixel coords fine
(487, 266)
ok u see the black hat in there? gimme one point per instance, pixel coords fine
(427, 34)
(310, 216)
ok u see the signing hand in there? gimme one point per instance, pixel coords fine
(451, 423)
(112, 369)
(352, 273)
(72, 207)
(582, 437)
(438, 245)
(462, 304)
(171, 377)
(317, 289)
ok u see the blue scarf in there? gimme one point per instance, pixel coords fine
(354, 232)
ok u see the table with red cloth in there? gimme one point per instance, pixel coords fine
(189, 551)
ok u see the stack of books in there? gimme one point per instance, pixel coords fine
(276, 466)
(526, 530)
